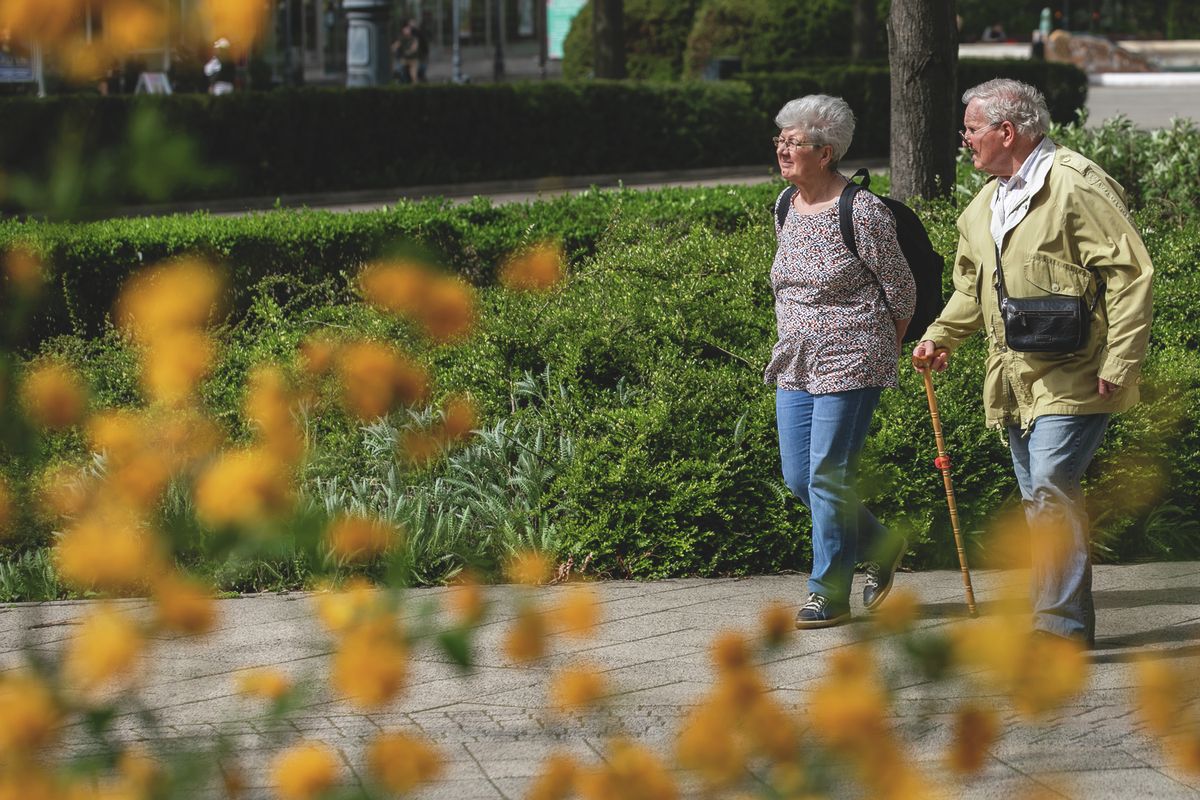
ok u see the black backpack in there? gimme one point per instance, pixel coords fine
(926, 263)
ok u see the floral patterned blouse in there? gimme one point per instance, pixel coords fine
(836, 327)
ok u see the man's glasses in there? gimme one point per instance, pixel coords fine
(966, 134)
(792, 144)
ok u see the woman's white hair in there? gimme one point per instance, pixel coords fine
(1019, 103)
(824, 120)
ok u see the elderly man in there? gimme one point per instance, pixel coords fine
(1051, 225)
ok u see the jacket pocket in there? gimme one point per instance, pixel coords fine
(1052, 276)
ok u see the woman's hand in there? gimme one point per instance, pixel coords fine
(927, 354)
(901, 328)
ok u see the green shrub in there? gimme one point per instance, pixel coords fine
(655, 37)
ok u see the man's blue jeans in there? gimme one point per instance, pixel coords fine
(820, 439)
(1049, 463)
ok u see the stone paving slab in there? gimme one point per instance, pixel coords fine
(494, 724)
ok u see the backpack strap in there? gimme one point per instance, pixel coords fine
(846, 208)
(782, 202)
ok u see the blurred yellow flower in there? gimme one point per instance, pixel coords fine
(525, 640)
(536, 269)
(317, 355)
(243, 487)
(577, 687)
(241, 22)
(420, 447)
(848, 706)
(376, 378)
(354, 538)
(397, 287)
(174, 365)
(370, 666)
(268, 406)
(45, 21)
(708, 744)
(578, 613)
(53, 396)
(778, 623)
(304, 771)
(1158, 695)
(131, 25)
(139, 772)
(899, 613)
(773, 731)
(23, 269)
(62, 492)
(975, 731)
(730, 652)
(105, 649)
(449, 310)
(357, 603)
(263, 683)
(465, 600)
(107, 549)
(171, 298)
(29, 716)
(30, 782)
(400, 762)
(1184, 751)
(556, 780)
(184, 605)
(460, 417)
(529, 567)
(632, 772)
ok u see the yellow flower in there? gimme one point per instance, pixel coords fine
(317, 355)
(370, 666)
(53, 396)
(708, 744)
(62, 492)
(400, 762)
(132, 25)
(632, 773)
(264, 683)
(174, 365)
(108, 550)
(537, 269)
(139, 772)
(579, 612)
(975, 730)
(176, 297)
(23, 269)
(354, 538)
(377, 378)
(449, 310)
(525, 641)
(359, 602)
(420, 447)
(184, 606)
(730, 652)
(304, 771)
(556, 781)
(1053, 671)
(772, 730)
(465, 600)
(848, 707)
(459, 418)
(29, 782)
(397, 287)
(899, 613)
(1184, 750)
(46, 21)
(1159, 690)
(269, 406)
(529, 567)
(105, 649)
(29, 716)
(243, 487)
(578, 687)
(777, 624)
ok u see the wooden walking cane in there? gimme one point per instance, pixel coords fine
(943, 463)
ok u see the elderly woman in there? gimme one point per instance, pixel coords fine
(840, 320)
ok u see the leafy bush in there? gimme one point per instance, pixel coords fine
(655, 36)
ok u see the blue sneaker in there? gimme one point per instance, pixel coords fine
(818, 613)
(881, 574)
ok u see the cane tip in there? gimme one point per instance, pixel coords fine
(973, 613)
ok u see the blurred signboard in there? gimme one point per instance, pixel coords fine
(16, 64)
(559, 14)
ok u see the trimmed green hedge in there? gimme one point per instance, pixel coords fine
(314, 140)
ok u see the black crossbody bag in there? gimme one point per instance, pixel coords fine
(1052, 324)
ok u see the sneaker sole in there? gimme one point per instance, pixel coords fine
(806, 625)
(884, 591)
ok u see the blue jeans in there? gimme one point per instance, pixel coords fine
(1049, 463)
(820, 439)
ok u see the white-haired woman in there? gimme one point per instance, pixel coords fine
(840, 320)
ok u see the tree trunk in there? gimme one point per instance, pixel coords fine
(608, 34)
(862, 41)
(923, 51)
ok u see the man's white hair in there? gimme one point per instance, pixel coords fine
(1019, 103)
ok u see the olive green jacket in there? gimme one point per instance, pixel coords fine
(1077, 227)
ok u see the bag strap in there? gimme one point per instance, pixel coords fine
(846, 208)
(782, 202)
(1002, 293)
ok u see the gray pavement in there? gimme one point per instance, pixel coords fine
(494, 725)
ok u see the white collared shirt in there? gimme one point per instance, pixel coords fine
(1011, 201)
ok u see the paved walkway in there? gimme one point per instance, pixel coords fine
(494, 725)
